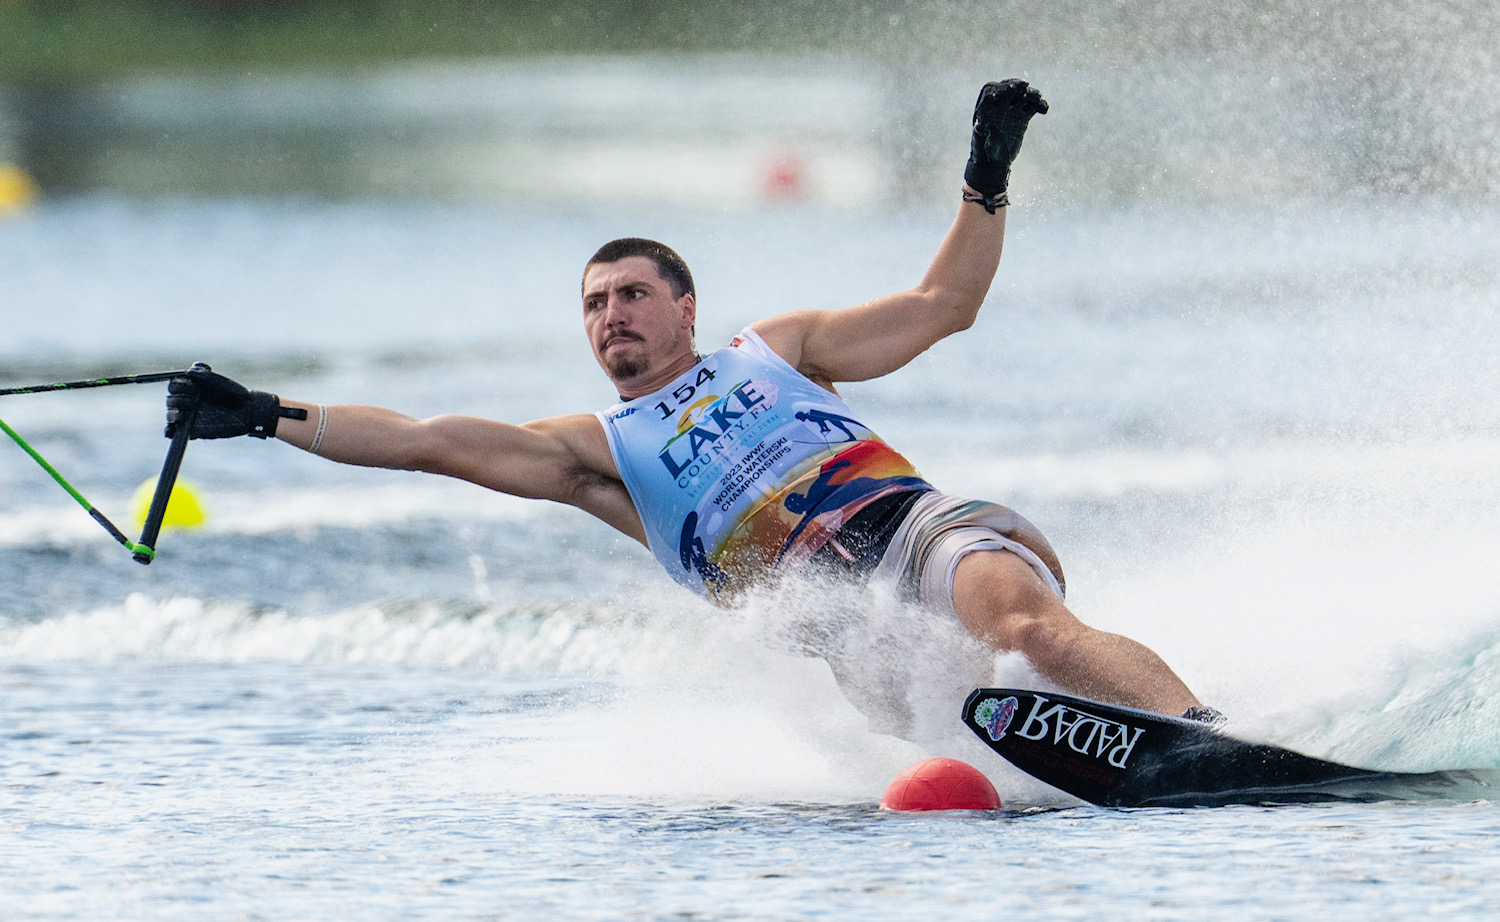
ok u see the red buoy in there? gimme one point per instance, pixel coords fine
(785, 177)
(941, 784)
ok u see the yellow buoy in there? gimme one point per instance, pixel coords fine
(183, 509)
(17, 189)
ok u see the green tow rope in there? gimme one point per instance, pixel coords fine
(62, 482)
(143, 551)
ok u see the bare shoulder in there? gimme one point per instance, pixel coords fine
(582, 434)
(799, 337)
(595, 485)
(786, 334)
(565, 459)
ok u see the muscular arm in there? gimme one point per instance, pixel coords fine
(880, 336)
(565, 458)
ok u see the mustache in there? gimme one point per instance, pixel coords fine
(624, 334)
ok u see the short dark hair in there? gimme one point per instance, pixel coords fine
(669, 265)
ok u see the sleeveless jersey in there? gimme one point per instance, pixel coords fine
(743, 463)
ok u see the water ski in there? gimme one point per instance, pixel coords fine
(1122, 757)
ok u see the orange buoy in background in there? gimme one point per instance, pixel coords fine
(941, 784)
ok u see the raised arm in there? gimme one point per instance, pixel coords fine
(565, 458)
(879, 336)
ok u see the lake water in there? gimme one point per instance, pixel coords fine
(1264, 443)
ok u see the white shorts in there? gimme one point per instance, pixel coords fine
(940, 530)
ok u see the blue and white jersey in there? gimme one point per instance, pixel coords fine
(743, 462)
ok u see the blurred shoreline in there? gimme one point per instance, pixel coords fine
(718, 106)
(736, 132)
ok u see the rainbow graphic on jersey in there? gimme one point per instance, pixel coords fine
(795, 522)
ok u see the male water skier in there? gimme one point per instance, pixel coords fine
(743, 464)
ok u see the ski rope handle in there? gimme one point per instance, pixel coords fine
(143, 551)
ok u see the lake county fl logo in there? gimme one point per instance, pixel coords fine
(1058, 724)
(706, 428)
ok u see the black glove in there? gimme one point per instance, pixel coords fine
(1000, 118)
(225, 408)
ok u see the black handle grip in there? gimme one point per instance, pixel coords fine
(166, 482)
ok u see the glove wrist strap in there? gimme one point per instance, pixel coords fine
(989, 202)
(265, 410)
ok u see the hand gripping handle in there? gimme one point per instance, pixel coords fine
(146, 548)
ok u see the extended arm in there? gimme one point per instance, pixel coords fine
(880, 336)
(565, 458)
